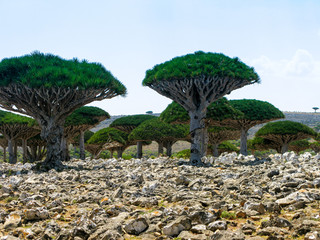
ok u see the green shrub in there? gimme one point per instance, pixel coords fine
(183, 154)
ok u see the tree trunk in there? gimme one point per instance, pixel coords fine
(81, 146)
(24, 150)
(160, 148)
(4, 154)
(12, 157)
(198, 136)
(52, 133)
(243, 142)
(284, 148)
(111, 153)
(120, 152)
(215, 150)
(15, 148)
(64, 149)
(139, 149)
(169, 149)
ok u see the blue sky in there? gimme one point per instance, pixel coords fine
(280, 38)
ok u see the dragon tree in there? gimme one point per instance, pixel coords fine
(254, 112)
(128, 123)
(81, 120)
(196, 80)
(49, 88)
(163, 133)
(285, 132)
(221, 134)
(14, 127)
(107, 138)
(217, 112)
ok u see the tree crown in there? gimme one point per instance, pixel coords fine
(46, 70)
(107, 135)
(11, 118)
(256, 110)
(216, 111)
(86, 116)
(285, 127)
(157, 130)
(132, 120)
(200, 64)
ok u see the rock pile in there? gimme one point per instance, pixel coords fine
(231, 197)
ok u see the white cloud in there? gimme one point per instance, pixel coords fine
(302, 64)
(290, 84)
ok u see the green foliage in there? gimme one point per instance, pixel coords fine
(46, 70)
(216, 111)
(259, 143)
(285, 127)
(86, 116)
(133, 120)
(107, 135)
(256, 110)
(157, 130)
(304, 143)
(200, 64)
(228, 215)
(186, 153)
(299, 145)
(227, 146)
(11, 118)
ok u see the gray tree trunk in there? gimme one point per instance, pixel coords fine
(139, 149)
(169, 149)
(120, 152)
(243, 142)
(24, 150)
(111, 153)
(215, 150)
(15, 148)
(198, 136)
(81, 146)
(52, 133)
(4, 154)
(12, 157)
(285, 148)
(160, 148)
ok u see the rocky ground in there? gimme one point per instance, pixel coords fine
(231, 198)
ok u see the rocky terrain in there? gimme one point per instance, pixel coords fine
(231, 197)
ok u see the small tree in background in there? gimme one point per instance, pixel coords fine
(255, 112)
(221, 134)
(108, 138)
(196, 80)
(315, 109)
(163, 133)
(227, 146)
(128, 123)
(36, 150)
(262, 144)
(14, 127)
(285, 132)
(299, 146)
(49, 88)
(217, 112)
(81, 120)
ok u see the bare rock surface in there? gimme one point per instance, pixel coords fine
(229, 197)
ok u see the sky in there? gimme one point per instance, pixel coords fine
(279, 38)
